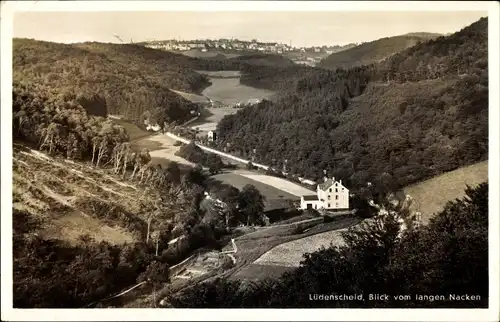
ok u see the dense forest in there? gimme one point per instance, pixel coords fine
(374, 51)
(107, 84)
(264, 60)
(275, 78)
(421, 112)
(449, 256)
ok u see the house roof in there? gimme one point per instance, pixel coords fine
(327, 184)
(311, 198)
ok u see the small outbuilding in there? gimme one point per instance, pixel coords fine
(212, 136)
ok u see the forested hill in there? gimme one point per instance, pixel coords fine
(422, 112)
(374, 51)
(154, 59)
(275, 78)
(264, 59)
(103, 81)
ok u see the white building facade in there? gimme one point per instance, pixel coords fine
(212, 136)
(330, 195)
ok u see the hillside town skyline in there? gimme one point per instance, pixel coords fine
(314, 29)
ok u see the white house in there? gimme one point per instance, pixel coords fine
(330, 195)
(212, 136)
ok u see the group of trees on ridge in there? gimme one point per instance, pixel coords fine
(373, 123)
(449, 256)
(374, 51)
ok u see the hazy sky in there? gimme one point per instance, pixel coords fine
(302, 28)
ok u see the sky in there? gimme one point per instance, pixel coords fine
(299, 28)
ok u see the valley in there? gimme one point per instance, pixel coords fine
(120, 199)
(224, 92)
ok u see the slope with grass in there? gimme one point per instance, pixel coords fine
(374, 51)
(430, 196)
(72, 199)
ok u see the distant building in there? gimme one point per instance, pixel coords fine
(330, 195)
(212, 136)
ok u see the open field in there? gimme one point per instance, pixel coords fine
(133, 130)
(230, 91)
(164, 148)
(252, 246)
(209, 123)
(431, 195)
(67, 197)
(291, 254)
(279, 183)
(240, 181)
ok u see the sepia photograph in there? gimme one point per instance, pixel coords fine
(249, 155)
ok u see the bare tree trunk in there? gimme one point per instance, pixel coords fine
(100, 154)
(149, 226)
(93, 152)
(51, 145)
(142, 173)
(125, 160)
(136, 166)
(157, 241)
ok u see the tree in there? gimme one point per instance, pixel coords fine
(230, 196)
(156, 274)
(195, 176)
(214, 163)
(140, 159)
(251, 204)
(155, 236)
(174, 173)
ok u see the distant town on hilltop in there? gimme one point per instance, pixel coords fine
(243, 46)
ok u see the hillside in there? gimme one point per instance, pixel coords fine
(451, 186)
(103, 83)
(164, 60)
(275, 78)
(91, 214)
(264, 59)
(64, 197)
(374, 51)
(392, 124)
(447, 256)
